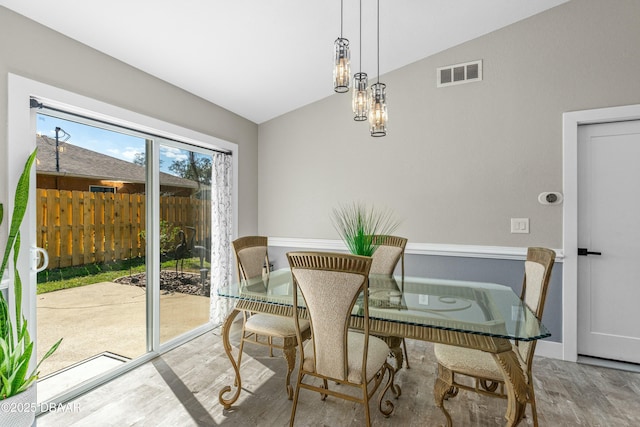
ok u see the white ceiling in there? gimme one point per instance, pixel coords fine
(263, 58)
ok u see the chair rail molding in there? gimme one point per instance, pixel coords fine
(439, 249)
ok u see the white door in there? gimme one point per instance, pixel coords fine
(609, 223)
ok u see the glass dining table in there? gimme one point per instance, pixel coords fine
(477, 315)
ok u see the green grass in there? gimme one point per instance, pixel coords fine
(72, 277)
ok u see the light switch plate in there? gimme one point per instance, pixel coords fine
(520, 225)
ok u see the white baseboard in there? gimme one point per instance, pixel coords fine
(550, 349)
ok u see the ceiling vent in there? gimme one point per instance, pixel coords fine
(459, 73)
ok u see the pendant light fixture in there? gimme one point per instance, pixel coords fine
(360, 102)
(378, 99)
(341, 63)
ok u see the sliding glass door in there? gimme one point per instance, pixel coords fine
(90, 218)
(108, 199)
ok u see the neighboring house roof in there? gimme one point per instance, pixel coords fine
(79, 162)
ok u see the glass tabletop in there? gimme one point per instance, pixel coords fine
(470, 307)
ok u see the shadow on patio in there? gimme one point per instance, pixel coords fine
(104, 325)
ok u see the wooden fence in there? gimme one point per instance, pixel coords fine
(81, 227)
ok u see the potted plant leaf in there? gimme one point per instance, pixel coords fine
(17, 384)
(358, 223)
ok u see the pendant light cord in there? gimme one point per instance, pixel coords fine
(378, 79)
(341, 11)
(360, 36)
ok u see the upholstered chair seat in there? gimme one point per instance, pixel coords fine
(472, 362)
(276, 326)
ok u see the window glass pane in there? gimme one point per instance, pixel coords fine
(90, 204)
(185, 229)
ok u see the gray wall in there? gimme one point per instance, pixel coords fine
(36, 52)
(458, 162)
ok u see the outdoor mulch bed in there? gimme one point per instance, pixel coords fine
(170, 282)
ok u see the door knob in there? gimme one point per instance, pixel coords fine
(585, 252)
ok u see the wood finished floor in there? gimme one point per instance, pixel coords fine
(181, 388)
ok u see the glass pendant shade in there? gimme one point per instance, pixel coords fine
(342, 66)
(378, 110)
(360, 97)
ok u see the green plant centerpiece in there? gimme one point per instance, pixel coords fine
(16, 346)
(358, 223)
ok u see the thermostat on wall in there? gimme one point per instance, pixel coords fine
(550, 198)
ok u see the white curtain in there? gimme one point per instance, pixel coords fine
(221, 234)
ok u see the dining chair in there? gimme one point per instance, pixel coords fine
(260, 328)
(481, 370)
(330, 284)
(389, 251)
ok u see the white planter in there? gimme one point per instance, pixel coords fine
(19, 410)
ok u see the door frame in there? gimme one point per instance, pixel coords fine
(20, 144)
(570, 122)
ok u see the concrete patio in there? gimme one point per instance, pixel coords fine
(108, 317)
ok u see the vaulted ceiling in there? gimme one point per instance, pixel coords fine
(263, 58)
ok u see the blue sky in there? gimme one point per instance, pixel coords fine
(110, 143)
